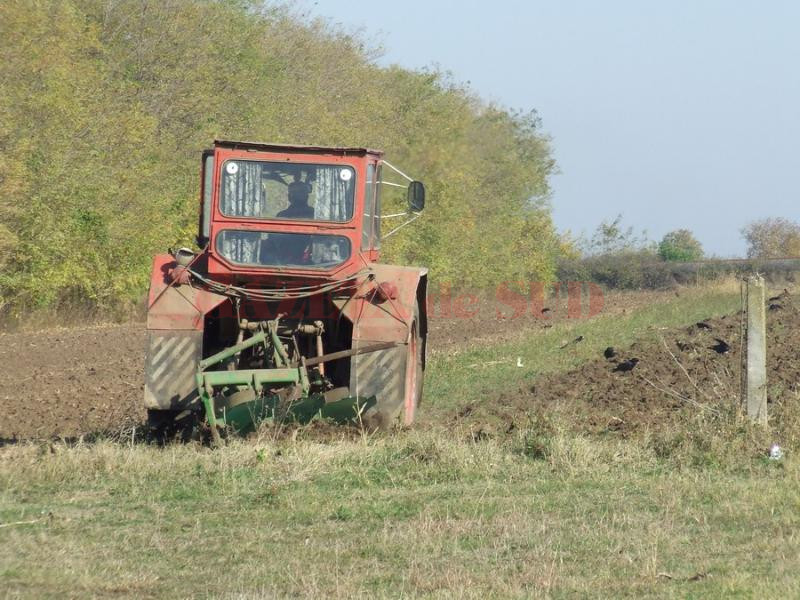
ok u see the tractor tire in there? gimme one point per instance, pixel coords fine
(394, 377)
(414, 377)
(165, 426)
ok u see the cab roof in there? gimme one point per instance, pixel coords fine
(296, 148)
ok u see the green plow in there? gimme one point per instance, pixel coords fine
(241, 399)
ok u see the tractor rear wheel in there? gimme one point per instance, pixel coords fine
(164, 426)
(414, 373)
(391, 380)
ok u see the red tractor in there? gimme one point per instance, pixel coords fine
(286, 314)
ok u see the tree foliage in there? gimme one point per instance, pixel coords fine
(680, 246)
(772, 238)
(616, 256)
(613, 237)
(106, 106)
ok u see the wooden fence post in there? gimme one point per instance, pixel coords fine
(755, 391)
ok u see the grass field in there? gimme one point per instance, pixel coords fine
(422, 513)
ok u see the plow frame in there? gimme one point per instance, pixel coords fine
(283, 374)
(256, 379)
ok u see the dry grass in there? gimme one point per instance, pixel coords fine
(422, 514)
(693, 510)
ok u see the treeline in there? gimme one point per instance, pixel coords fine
(618, 257)
(106, 105)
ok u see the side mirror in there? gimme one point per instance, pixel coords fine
(416, 196)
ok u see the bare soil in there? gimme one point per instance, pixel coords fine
(651, 383)
(71, 382)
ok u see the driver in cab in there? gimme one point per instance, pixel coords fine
(295, 249)
(298, 208)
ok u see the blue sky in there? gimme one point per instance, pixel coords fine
(674, 114)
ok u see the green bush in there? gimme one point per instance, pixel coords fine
(643, 269)
(629, 269)
(680, 246)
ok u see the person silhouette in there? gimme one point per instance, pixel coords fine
(298, 208)
(295, 248)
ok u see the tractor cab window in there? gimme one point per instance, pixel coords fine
(274, 249)
(376, 216)
(281, 190)
(369, 209)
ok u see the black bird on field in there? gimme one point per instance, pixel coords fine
(609, 353)
(721, 347)
(626, 365)
(775, 306)
(575, 341)
(783, 294)
(703, 325)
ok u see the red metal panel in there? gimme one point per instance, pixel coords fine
(295, 148)
(222, 269)
(383, 319)
(172, 306)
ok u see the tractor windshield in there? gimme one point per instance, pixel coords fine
(273, 249)
(281, 190)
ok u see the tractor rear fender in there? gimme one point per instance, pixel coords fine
(384, 310)
(171, 306)
(175, 319)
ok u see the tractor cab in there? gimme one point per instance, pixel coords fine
(292, 210)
